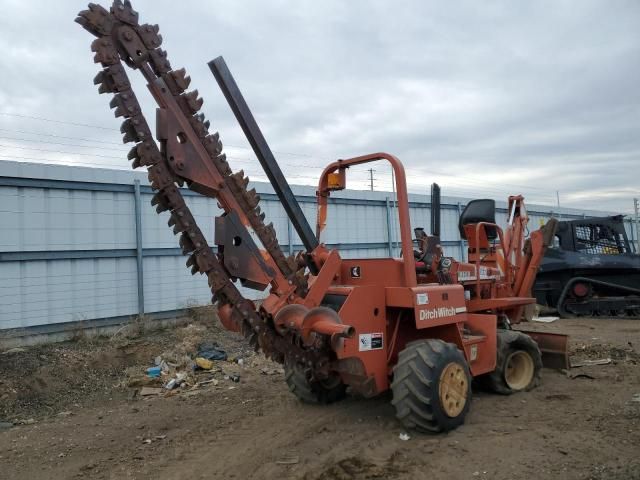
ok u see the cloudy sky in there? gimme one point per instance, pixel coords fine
(486, 98)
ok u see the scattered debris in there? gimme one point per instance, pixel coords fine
(544, 319)
(154, 372)
(147, 441)
(605, 350)
(636, 398)
(210, 351)
(65, 414)
(5, 425)
(171, 384)
(588, 363)
(14, 350)
(404, 436)
(288, 461)
(580, 375)
(177, 381)
(206, 382)
(147, 391)
(204, 363)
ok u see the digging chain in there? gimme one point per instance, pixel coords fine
(113, 30)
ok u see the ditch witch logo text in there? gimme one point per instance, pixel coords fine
(437, 313)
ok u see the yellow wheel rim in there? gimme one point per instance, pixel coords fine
(453, 389)
(518, 373)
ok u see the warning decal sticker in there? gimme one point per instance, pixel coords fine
(370, 341)
(422, 298)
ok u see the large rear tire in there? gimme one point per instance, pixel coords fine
(431, 386)
(518, 364)
(309, 390)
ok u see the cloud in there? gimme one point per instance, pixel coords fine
(487, 99)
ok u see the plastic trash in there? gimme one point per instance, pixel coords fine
(154, 372)
(171, 384)
(210, 351)
(204, 364)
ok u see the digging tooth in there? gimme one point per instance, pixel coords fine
(213, 145)
(223, 165)
(105, 51)
(149, 35)
(102, 80)
(159, 202)
(112, 79)
(177, 81)
(252, 198)
(186, 244)
(158, 61)
(190, 103)
(115, 103)
(129, 131)
(134, 129)
(96, 20)
(198, 127)
(240, 180)
(124, 12)
(159, 177)
(181, 78)
(133, 154)
(192, 262)
(125, 105)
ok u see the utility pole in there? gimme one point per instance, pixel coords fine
(371, 179)
(558, 197)
(635, 207)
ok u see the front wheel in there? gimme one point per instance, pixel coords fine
(431, 386)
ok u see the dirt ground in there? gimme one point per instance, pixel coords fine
(76, 416)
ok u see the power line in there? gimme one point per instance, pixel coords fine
(100, 127)
(42, 119)
(60, 151)
(371, 179)
(54, 162)
(64, 144)
(24, 132)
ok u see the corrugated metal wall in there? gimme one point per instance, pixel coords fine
(68, 241)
